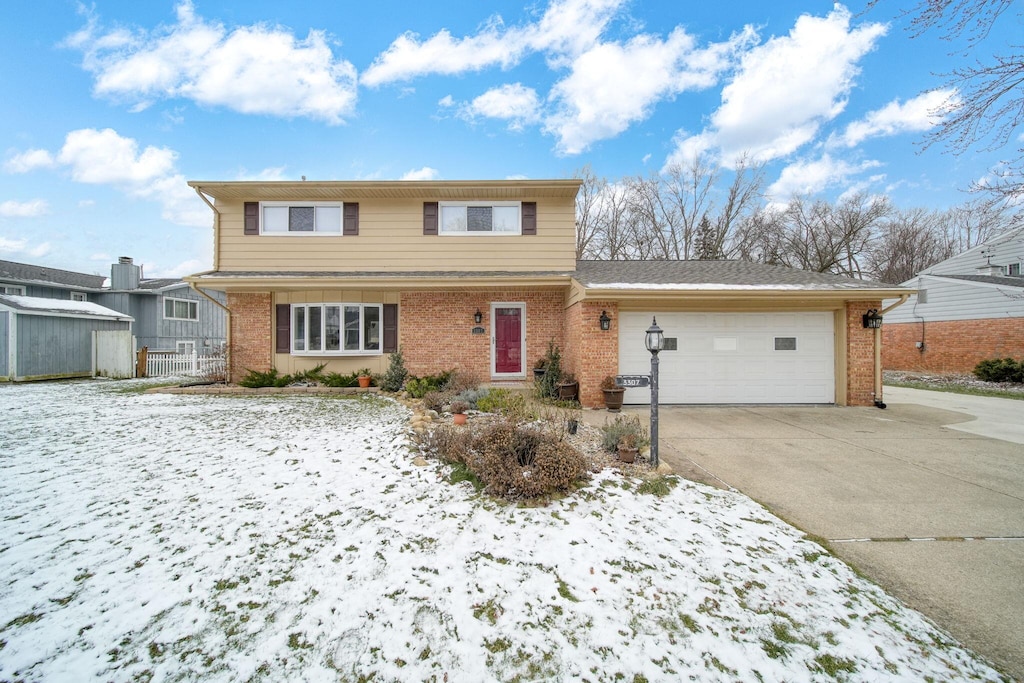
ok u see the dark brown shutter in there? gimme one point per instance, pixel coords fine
(252, 218)
(391, 327)
(529, 218)
(351, 219)
(429, 218)
(284, 328)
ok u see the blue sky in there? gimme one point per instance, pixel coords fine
(110, 108)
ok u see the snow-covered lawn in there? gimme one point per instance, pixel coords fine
(156, 537)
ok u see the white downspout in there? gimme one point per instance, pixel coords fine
(878, 352)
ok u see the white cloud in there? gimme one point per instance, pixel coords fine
(29, 161)
(86, 203)
(21, 246)
(810, 177)
(786, 88)
(915, 115)
(613, 85)
(40, 250)
(567, 27)
(104, 157)
(513, 102)
(7, 245)
(446, 101)
(13, 209)
(251, 69)
(425, 173)
(105, 258)
(181, 270)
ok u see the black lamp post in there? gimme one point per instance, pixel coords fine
(654, 340)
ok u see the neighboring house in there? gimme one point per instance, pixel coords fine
(48, 338)
(168, 314)
(482, 275)
(968, 308)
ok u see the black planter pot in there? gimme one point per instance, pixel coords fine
(568, 392)
(613, 399)
(573, 425)
(539, 372)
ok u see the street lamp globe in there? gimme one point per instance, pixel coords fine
(654, 340)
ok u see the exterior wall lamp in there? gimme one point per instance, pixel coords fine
(606, 322)
(872, 320)
(478, 317)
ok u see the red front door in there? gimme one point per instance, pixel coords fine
(508, 340)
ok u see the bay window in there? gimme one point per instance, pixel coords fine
(336, 329)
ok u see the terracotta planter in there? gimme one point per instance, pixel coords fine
(613, 399)
(364, 381)
(459, 418)
(628, 454)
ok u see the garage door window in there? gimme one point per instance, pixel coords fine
(785, 343)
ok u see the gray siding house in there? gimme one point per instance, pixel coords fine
(163, 314)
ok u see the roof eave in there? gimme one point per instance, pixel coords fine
(597, 292)
(375, 282)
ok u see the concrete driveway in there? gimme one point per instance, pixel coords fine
(934, 515)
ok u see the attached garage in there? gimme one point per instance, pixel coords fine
(726, 357)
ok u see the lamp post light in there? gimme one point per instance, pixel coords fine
(654, 340)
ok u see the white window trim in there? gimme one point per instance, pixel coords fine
(79, 296)
(304, 233)
(189, 347)
(477, 233)
(323, 321)
(1009, 266)
(190, 301)
(20, 288)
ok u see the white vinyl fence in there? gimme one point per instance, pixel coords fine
(113, 353)
(162, 364)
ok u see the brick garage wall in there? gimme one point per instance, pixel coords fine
(252, 331)
(435, 328)
(591, 353)
(860, 355)
(951, 345)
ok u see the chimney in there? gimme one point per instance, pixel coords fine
(124, 274)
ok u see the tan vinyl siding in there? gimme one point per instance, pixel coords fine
(391, 239)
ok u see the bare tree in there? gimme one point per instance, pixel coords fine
(989, 106)
(828, 238)
(908, 242)
(688, 191)
(587, 210)
(970, 224)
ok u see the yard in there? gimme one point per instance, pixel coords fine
(155, 537)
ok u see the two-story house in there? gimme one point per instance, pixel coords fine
(482, 275)
(966, 309)
(48, 315)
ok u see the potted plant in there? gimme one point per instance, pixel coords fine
(628, 448)
(612, 394)
(364, 378)
(459, 409)
(568, 387)
(540, 367)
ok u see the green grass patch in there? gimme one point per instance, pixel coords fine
(956, 389)
(658, 486)
(833, 665)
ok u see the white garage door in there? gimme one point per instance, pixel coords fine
(734, 357)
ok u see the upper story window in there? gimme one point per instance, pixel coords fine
(180, 309)
(78, 296)
(336, 329)
(480, 218)
(12, 289)
(301, 218)
(1013, 270)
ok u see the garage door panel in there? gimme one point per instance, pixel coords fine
(732, 357)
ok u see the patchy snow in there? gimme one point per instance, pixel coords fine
(158, 537)
(36, 303)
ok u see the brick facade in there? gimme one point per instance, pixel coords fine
(435, 329)
(860, 355)
(251, 334)
(950, 345)
(590, 352)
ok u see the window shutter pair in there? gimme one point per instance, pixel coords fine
(350, 221)
(529, 218)
(283, 328)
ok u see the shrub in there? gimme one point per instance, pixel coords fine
(459, 407)
(502, 401)
(471, 396)
(394, 377)
(418, 386)
(609, 383)
(459, 381)
(255, 379)
(435, 400)
(624, 427)
(547, 384)
(1000, 370)
(335, 379)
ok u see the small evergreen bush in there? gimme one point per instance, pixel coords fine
(256, 379)
(396, 374)
(1000, 370)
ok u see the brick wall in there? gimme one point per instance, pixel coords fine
(252, 334)
(590, 352)
(860, 355)
(951, 345)
(435, 328)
